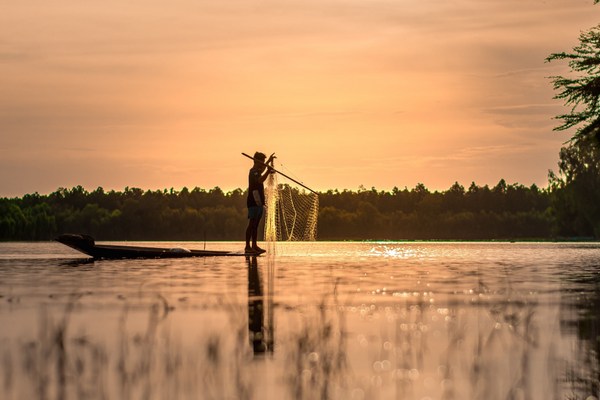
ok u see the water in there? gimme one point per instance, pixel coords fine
(315, 321)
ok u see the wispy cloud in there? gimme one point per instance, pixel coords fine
(525, 109)
(80, 149)
(332, 113)
(473, 154)
(528, 71)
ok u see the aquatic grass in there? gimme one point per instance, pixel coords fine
(318, 362)
(316, 352)
(57, 365)
(44, 360)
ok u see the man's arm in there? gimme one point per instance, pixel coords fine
(257, 198)
(264, 177)
(269, 165)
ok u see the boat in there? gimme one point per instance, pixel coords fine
(87, 245)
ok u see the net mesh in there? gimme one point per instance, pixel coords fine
(291, 213)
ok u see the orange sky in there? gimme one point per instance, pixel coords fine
(158, 94)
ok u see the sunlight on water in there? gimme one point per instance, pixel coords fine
(318, 321)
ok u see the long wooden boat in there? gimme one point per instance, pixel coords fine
(87, 245)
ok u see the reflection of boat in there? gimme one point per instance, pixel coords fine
(86, 245)
(72, 263)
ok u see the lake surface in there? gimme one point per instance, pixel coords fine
(418, 320)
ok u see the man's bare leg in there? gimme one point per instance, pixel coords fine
(255, 239)
(251, 234)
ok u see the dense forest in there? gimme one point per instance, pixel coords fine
(476, 213)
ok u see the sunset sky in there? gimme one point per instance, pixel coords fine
(158, 94)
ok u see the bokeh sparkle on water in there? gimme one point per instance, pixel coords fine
(414, 320)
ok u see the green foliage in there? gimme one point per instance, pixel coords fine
(581, 92)
(576, 190)
(479, 213)
(33, 222)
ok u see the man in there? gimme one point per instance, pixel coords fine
(256, 199)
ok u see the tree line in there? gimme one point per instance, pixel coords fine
(505, 211)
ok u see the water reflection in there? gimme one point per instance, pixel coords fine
(260, 307)
(255, 307)
(75, 263)
(580, 318)
(430, 321)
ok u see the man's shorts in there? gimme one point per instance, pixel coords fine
(255, 212)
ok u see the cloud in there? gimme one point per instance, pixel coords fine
(525, 109)
(473, 154)
(15, 56)
(526, 123)
(79, 149)
(525, 116)
(331, 113)
(525, 72)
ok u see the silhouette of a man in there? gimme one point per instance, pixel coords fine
(256, 198)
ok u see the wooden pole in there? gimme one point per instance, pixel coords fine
(280, 173)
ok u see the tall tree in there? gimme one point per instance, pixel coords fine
(577, 190)
(582, 92)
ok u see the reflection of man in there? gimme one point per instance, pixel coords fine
(255, 307)
(256, 199)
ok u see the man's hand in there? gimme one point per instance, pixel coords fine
(270, 160)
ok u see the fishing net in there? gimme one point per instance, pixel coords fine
(291, 216)
(291, 213)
